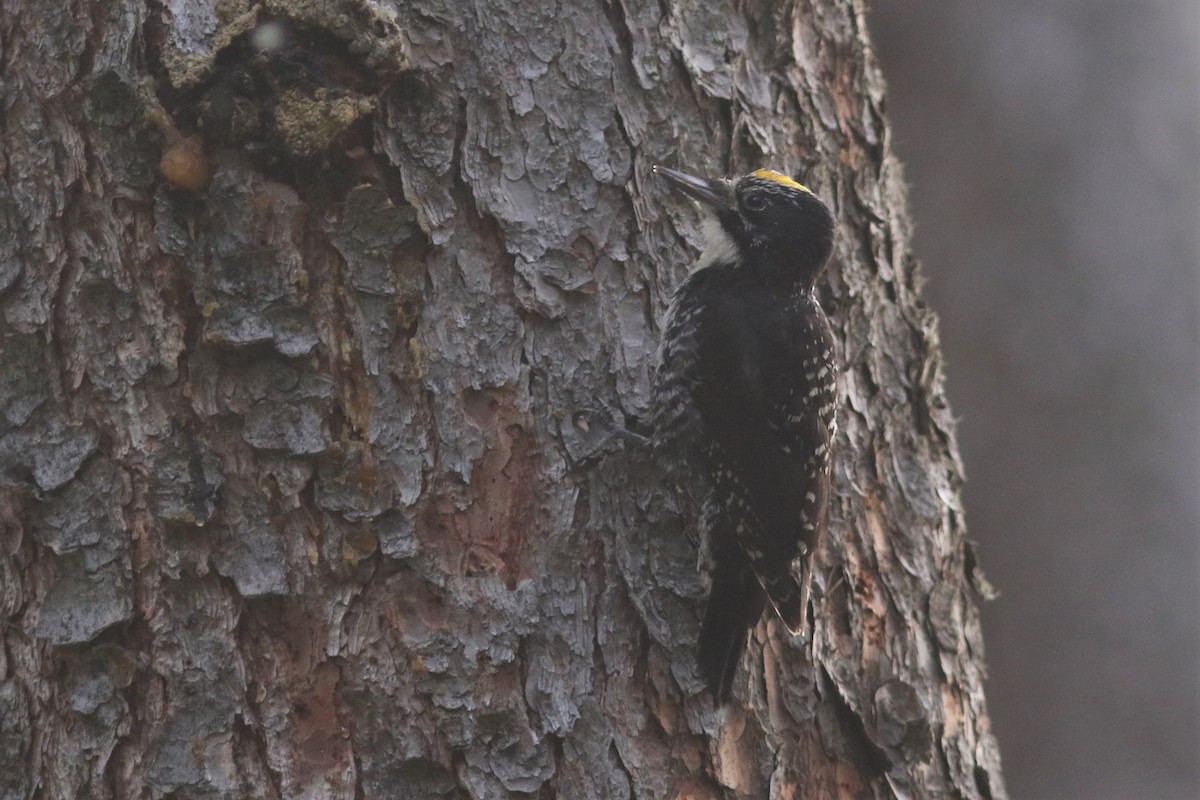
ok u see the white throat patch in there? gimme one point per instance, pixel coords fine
(718, 246)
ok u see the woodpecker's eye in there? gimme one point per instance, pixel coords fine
(755, 202)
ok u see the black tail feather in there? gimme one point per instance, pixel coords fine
(735, 603)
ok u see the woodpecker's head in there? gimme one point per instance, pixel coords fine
(764, 220)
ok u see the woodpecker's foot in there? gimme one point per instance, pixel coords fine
(605, 424)
(596, 431)
(856, 359)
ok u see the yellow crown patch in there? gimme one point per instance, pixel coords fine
(779, 177)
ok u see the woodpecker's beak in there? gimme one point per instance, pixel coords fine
(715, 193)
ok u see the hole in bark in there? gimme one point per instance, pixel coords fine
(294, 98)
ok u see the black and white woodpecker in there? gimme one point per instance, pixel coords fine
(744, 403)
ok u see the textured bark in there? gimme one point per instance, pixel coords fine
(294, 502)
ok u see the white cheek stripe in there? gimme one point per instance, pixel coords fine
(718, 246)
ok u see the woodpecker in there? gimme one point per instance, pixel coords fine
(744, 403)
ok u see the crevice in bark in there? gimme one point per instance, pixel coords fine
(861, 749)
(249, 733)
(983, 783)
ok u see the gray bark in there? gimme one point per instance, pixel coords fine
(293, 500)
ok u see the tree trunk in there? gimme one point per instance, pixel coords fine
(299, 303)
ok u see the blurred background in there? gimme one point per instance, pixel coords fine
(1054, 154)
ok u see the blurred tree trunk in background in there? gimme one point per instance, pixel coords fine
(293, 503)
(1068, 290)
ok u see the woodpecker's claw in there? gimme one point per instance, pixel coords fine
(603, 425)
(595, 432)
